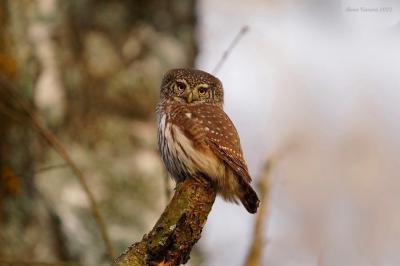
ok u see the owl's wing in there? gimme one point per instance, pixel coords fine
(221, 136)
(237, 165)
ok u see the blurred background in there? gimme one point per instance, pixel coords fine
(313, 85)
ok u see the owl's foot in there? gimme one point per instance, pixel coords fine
(200, 179)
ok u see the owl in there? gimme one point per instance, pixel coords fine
(197, 139)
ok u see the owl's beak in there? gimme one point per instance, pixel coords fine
(190, 97)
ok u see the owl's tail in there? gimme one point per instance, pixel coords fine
(248, 197)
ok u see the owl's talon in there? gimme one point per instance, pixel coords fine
(200, 179)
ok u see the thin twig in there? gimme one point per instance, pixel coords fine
(5, 110)
(254, 257)
(51, 167)
(12, 262)
(320, 259)
(321, 253)
(59, 148)
(232, 45)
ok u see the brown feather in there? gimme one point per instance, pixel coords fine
(208, 124)
(222, 137)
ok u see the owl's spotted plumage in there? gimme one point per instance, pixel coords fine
(197, 138)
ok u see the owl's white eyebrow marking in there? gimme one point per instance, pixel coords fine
(203, 85)
(183, 81)
(188, 115)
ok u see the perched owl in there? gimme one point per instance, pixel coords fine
(197, 139)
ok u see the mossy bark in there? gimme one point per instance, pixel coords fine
(178, 229)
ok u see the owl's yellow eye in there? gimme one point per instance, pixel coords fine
(202, 91)
(179, 87)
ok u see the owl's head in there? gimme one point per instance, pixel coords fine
(191, 86)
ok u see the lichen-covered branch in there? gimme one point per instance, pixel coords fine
(178, 229)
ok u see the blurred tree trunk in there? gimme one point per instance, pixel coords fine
(91, 70)
(29, 228)
(114, 53)
(18, 69)
(111, 57)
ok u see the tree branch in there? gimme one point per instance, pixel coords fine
(254, 257)
(178, 229)
(232, 45)
(9, 89)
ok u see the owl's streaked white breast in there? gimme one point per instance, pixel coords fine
(179, 146)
